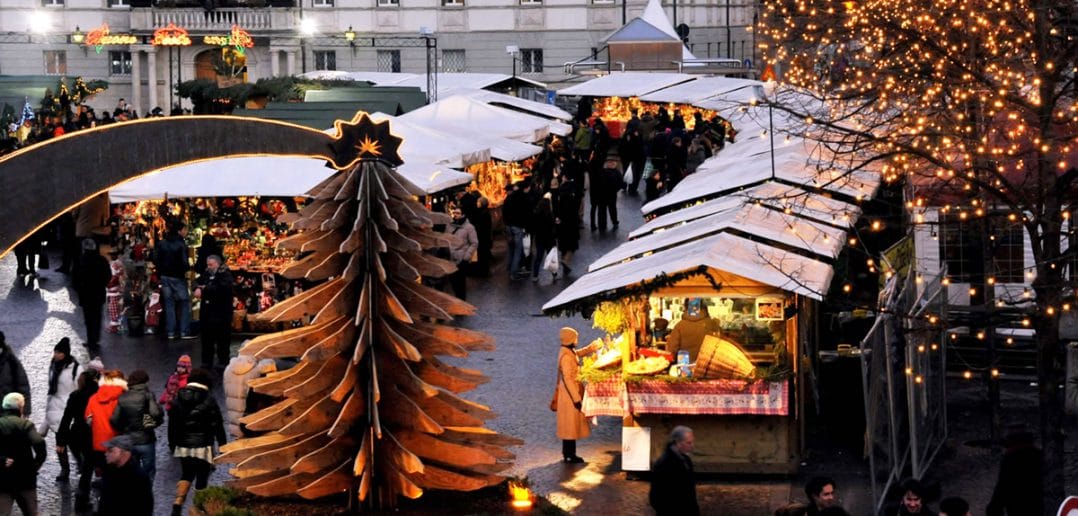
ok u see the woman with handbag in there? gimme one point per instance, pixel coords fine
(569, 395)
(136, 415)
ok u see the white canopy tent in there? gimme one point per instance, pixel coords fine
(446, 81)
(508, 101)
(424, 144)
(457, 113)
(775, 195)
(758, 221)
(267, 176)
(248, 176)
(724, 252)
(626, 84)
(699, 89)
(728, 176)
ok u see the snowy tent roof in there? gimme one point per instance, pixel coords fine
(502, 100)
(725, 252)
(268, 176)
(639, 30)
(626, 84)
(426, 144)
(750, 219)
(727, 175)
(460, 112)
(256, 175)
(772, 194)
(699, 89)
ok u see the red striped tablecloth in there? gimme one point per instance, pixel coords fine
(722, 397)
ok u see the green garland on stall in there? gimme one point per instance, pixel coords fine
(586, 306)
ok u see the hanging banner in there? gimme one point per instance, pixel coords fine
(171, 36)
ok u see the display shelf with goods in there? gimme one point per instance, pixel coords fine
(492, 177)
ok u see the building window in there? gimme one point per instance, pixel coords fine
(55, 62)
(1008, 253)
(119, 62)
(602, 2)
(389, 3)
(323, 3)
(389, 60)
(52, 3)
(531, 2)
(119, 3)
(454, 3)
(531, 60)
(963, 246)
(325, 59)
(453, 61)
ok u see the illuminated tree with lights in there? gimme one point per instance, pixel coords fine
(972, 103)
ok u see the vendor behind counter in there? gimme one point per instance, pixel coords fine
(690, 331)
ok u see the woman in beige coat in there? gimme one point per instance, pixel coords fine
(569, 393)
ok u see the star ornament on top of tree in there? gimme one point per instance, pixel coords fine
(364, 139)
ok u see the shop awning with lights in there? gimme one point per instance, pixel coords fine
(246, 176)
(728, 258)
(510, 102)
(423, 143)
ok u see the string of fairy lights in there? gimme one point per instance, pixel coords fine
(970, 101)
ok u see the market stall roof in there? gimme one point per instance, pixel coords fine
(432, 178)
(725, 173)
(699, 89)
(638, 30)
(426, 144)
(723, 252)
(459, 112)
(626, 84)
(757, 222)
(508, 101)
(775, 195)
(246, 176)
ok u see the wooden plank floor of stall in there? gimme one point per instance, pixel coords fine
(763, 445)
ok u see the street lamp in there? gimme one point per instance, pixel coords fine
(761, 94)
(77, 37)
(350, 36)
(513, 50)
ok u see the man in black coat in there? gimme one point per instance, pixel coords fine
(12, 375)
(1020, 488)
(215, 291)
(92, 275)
(126, 488)
(673, 482)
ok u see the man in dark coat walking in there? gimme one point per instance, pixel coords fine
(215, 291)
(673, 482)
(1020, 488)
(22, 452)
(92, 275)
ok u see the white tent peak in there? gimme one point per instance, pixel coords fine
(655, 16)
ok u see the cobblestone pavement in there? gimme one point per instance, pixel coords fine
(35, 315)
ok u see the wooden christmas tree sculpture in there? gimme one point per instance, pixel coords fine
(369, 408)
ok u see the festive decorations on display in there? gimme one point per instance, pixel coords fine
(370, 408)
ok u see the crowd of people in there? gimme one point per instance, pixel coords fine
(105, 422)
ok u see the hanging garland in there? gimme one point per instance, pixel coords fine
(587, 305)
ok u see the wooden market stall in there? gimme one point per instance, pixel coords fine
(747, 418)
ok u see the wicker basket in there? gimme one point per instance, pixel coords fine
(721, 358)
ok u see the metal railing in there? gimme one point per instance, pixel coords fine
(217, 20)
